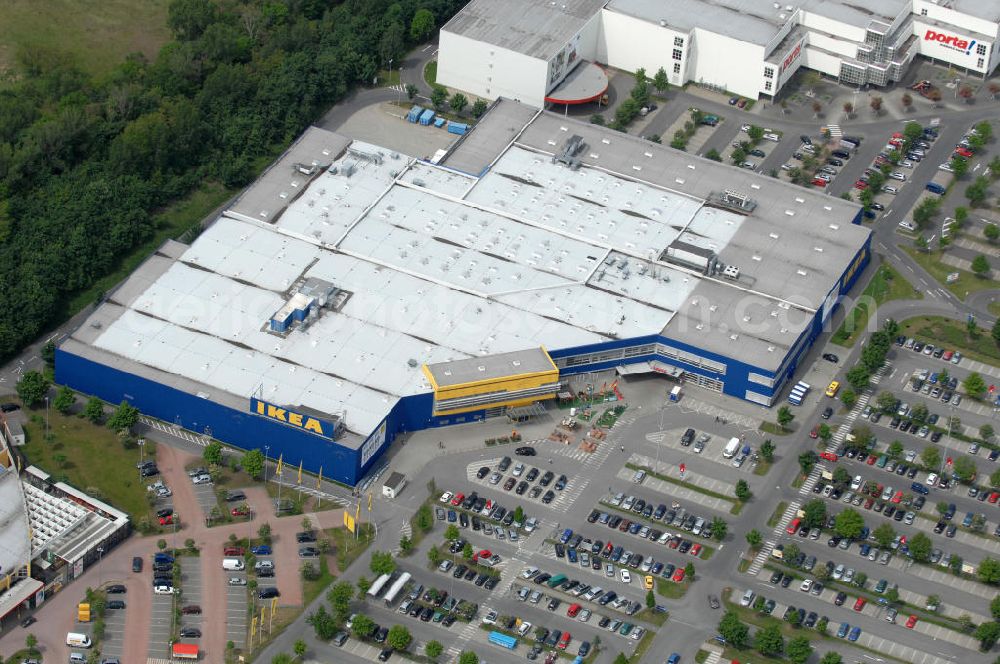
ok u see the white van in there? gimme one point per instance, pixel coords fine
(731, 448)
(77, 640)
(232, 564)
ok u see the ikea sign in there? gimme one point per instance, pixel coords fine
(291, 418)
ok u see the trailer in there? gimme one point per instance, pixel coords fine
(414, 114)
(427, 117)
(502, 640)
(380, 583)
(184, 651)
(396, 588)
(457, 128)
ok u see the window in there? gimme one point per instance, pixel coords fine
(979, 63)
(981, 49)
(768, 72)
(923, 12)
(677, 67)
(678, 41)
(767, 85)
(677, 54)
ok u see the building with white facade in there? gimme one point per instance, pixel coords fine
(528, 49)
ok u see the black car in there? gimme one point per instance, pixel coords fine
(547, 478)
(840, 598)
(548, 497)
(805, 139)
(165, 512)
(28, 622)
(525, 451)
(561, 482)
(426, 615)
(149, 471)
(827, 413)
(190, 633)
(492, 582)
(137, 564)
(830, 357)
(593, 516)
(532, 474)
(381, 635)
(267, 592)
(385, 655)
(482, 472)
(116, 589)
(9, 407)
(504, 464)
(115, 604)
(305, 536)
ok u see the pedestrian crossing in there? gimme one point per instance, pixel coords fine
(835, 131)
(714, 657)
(455, 649)
(406, 530)
(810, 482)
(399, 87)
(845, 427)
(176, 431)
(765, 551)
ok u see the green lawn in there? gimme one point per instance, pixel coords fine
(952, 334)
(431, 73)
(170, 224)
(95, 35)
(886, 284)
(94, 459)
(967, 282)
(994, 308)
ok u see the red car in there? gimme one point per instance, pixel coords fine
(564, 641)
(910, 622)
(860, 604)
(674, 543)
(678, 575)
(167, 520)
(993, 497)
(871, 459)
(457, 500)
(965, 152)
(485, 554)
(240, 511)
(820, 183)
(861, 185)
(696, 549)
(815, 432)
(897, 497)
(829, 456)
(793, 526)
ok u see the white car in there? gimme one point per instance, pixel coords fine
(202, 479)
(626, 576)
(584, 615)
(518, 470)
(529, 572)
(946, 167)
(906, 163)
(806, 585)
(490, 618)
(445, 497)
(907, 225)
(524, 628)
(890, 190)
(896, 175)
(237, 581)
(163, 590)
(931, 479)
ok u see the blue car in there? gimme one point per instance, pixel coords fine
(855, 633)
(673, 659)
(261, 550)
(571, 554)
(568, 533)
(844, 629)
(162, 558)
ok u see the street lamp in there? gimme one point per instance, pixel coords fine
(267, 448)
(100, 558)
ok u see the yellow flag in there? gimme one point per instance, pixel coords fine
(320, 477)
(369, 501)
(357, 514)
(253, 628)
(280, 464)
(262, 609)
(274, 606)
(299, 481)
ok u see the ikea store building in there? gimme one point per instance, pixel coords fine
(353, 293)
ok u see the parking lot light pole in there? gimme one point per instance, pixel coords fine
(100, 559)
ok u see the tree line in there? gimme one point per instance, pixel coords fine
(85, 162)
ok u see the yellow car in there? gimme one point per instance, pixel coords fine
(832, 390)
(648, 582)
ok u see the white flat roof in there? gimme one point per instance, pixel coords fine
(439, 266)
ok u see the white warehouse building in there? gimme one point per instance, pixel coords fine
(540, 51)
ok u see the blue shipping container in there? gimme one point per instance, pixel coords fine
(439, 122)
(414, 113)
(501, 639)
(457, 128)
(427, 117)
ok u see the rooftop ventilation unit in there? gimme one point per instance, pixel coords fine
(731, 272)
(733, 200)
(568, 155)
(373, 157)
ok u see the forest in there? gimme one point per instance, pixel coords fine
(85, 164)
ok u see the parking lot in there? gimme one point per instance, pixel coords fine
(236, 612)
(191, 596)
(113, 644)
(160, 625)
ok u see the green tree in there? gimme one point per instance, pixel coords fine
(989, 571)
(31, 643)
(468, 657)
(886, 402)
(733, 630)
(660, 81)
(841, 477)
(959, 166)
(689, 571)
(281, 658)
(754, 538)
(798, 650)
(94, 410)
(848, 398)
(814, 514)
(363, 585)
(405, 545)
(767, 450)
(32, 388)
(434, 555)
(411, 91)
(438, 97)
(832, 658)
(362, 626)
(451, 532)
(719, 528)
(858, 377)
(895, 450)
(976, 192)
(650, 599)
(785, 416)
(188, 19)
(299, 648)
(253, 463)
(964, 469)
(994, 608)
(992, 232)
(806, 461)
(458, 102)
(849, 524)
(743, 493)
(124, 417)
(399, 638)
(987, 633)
(479, 108)
(339, 596)
(755, 133)
(995, 479)
(213, 453)
(980, 266)
(768, 641)
(926, 211)
(422, 26)
(518, 514)
(433, 649)
(931, 456)
(65, 400)
(468, 551)
(986, 430)
(884, 535)
(920, 547)
(381, 563)
(713, 154)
